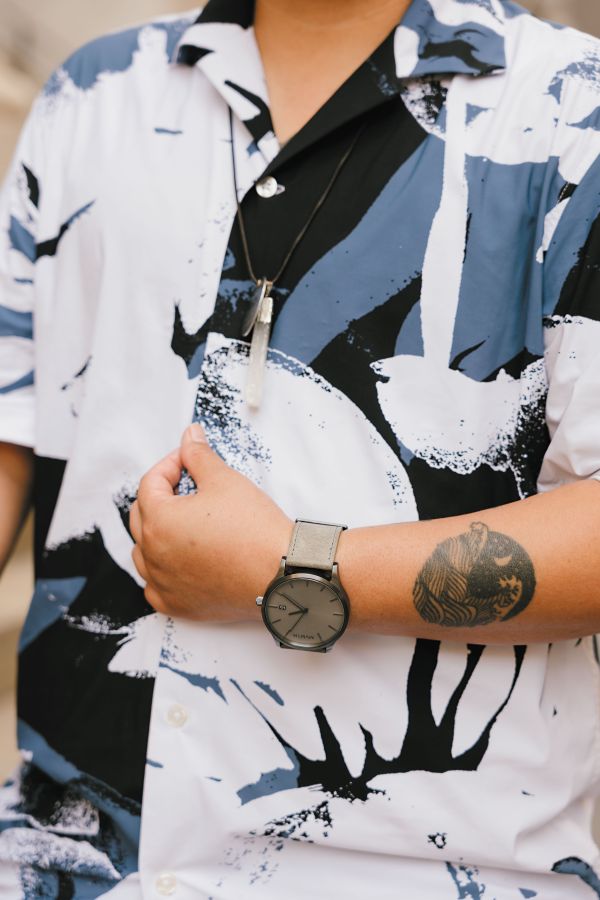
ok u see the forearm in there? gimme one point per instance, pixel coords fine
(403, 579)
(521, 573)
(16, 473)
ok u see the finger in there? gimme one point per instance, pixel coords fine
(160, 481)
(197, 455)
(140, 563)
(135, 523)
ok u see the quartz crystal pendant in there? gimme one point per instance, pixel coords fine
(263, 287)
(258, 321)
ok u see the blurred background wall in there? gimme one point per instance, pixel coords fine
(34, 38)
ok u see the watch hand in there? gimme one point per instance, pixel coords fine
(295, 612)
(293, 601)
(293, 625)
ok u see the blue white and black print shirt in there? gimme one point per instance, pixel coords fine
(434, 352)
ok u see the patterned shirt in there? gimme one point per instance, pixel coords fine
(434, 352)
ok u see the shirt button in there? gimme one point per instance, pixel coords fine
(177, 715)
(267, 187)
(166, 884)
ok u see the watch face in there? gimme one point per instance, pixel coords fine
(305, 611)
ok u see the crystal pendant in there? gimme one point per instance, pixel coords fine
(259, 318)
(263, 287)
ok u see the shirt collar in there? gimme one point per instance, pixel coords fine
(435, 37)
(438, 37)
(221, 42)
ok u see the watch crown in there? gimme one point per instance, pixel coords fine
(259, 601)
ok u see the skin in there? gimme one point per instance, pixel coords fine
(16, 476)
(207, 556)
(328, 42)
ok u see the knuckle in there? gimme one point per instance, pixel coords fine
(147, 531)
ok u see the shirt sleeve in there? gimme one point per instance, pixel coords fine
(19, 207)
(572, 339)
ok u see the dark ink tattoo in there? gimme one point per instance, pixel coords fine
(474, 579)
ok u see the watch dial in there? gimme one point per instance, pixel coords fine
(305, 611)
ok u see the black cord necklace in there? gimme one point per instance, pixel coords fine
(259, 317)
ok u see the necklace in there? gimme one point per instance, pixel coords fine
(259, 317)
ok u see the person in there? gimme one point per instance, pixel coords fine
(355, 243)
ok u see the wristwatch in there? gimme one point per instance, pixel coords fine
(305, 607)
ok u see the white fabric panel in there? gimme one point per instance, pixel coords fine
(573, 405)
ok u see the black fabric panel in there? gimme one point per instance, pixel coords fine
(580, 295)
(368, 88)
(457, 494)
(513, 367)
(96, 719)
(456, 49)
(260, 124)
(47, 478)
(236, 12)
(33, 186)
(189, 55)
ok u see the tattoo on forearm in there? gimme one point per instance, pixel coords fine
(474, 579)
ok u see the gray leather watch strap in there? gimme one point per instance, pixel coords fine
(313, 545)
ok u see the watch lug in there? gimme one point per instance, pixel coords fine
(335, 575)
(281, 570)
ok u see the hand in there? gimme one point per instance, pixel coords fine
(205, 556)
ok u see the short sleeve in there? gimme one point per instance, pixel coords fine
(572, 339)
(19, 207)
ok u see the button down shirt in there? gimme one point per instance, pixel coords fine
(434, 352)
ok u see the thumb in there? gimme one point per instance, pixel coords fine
(196, 453)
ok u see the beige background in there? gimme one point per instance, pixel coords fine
(34, 37)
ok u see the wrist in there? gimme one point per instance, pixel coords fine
(269, 558)
(346, 560)
(358, 563)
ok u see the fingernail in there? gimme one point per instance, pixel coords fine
(196, 433)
